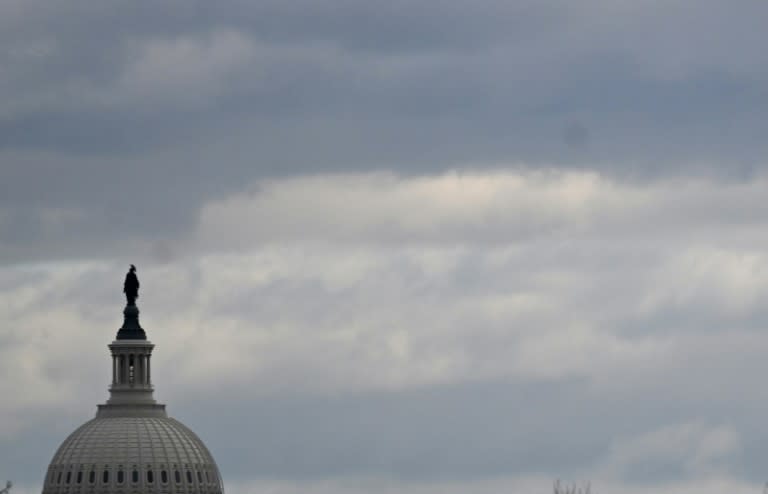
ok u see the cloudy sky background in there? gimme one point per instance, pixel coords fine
(423, 247)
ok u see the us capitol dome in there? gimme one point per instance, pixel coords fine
(132, 446)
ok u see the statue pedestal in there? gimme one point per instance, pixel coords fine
(131, 329)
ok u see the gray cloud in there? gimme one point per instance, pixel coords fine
(420, 87)
(580, 324)
(126, 119)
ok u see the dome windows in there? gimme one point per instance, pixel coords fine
(83, 478)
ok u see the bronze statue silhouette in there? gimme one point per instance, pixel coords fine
(131, 286)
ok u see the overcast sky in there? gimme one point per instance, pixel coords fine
(432, 247)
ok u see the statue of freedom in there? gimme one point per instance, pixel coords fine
(131, 286)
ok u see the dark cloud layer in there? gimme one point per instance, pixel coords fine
(411, 86)
(134, 114)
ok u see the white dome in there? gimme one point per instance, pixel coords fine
(132, 446)
(133, 454)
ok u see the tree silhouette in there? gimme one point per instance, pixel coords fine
(573, 489)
